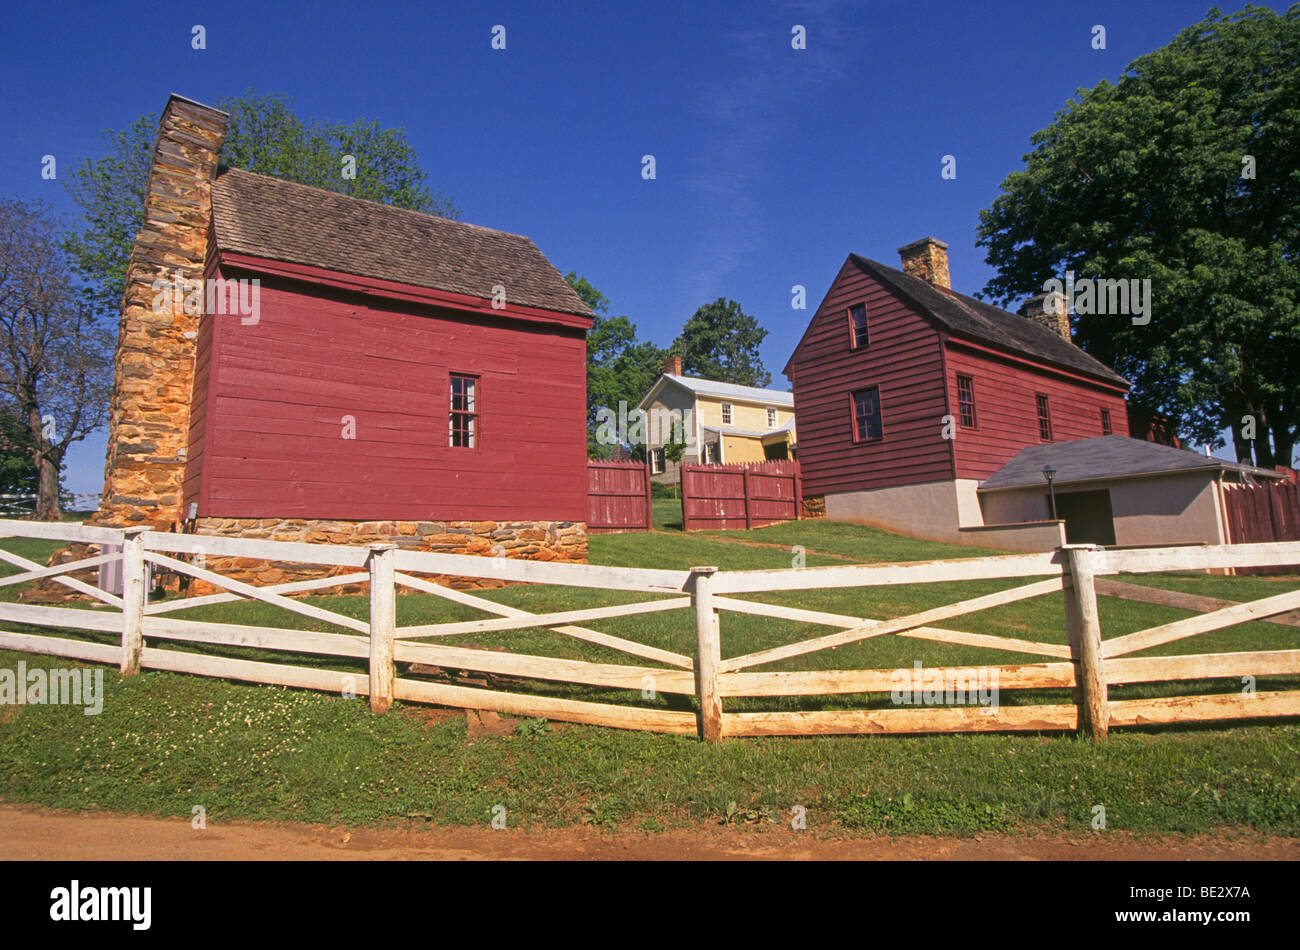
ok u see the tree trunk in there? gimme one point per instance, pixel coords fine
(46, 457)
(47, 499)
(1283, 446)
(1243, 447)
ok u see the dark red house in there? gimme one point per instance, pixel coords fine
(908, 394)
(378, 380)
(334, 369)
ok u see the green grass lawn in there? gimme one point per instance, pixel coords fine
(165, 742)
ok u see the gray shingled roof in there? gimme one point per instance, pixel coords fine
(1109, 456)
(967, 317)
(284, 221)
(711, 387)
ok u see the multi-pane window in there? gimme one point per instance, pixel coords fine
(966, 401)
(711, 455)
(771, 418)
(726, 413)
(866, 414)
(858, 325)
(1044, 418)
(464, 412)
(1105, 422)
(657, 459)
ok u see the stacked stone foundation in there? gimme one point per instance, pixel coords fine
(530, 540)
(814, 506)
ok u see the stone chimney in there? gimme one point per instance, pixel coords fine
(1048, 310)
(673, 366)
(928, 260)
(153, 370)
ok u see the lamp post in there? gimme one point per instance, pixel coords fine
(1049, 473)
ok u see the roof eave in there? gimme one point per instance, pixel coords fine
(359, 283)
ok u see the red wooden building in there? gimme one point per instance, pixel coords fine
(378, 380)
(909, 393)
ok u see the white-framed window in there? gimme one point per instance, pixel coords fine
(463, 429)
(726, 413)
(771, 418)
(658, 461)
(711, 454)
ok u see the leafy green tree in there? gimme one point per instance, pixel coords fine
(18, 472)
(620, 368)
(264, 135)
(1183, 172)
(720, 342)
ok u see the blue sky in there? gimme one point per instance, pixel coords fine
(772, 164)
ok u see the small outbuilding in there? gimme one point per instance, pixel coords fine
(1116, 490)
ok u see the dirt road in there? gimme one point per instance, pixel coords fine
(34, 833)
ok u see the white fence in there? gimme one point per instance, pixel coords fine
(26, 504)
(1088, 663)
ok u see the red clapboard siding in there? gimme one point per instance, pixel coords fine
(269, 433)
(904, 359)
(1006, 408)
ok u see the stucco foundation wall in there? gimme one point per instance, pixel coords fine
(538, 541)
(942, 511)
(930, 510)
(1030, 536)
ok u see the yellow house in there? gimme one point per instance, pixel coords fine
(718, 422)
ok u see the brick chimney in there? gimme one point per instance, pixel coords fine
(153, 371)
(928, 260)
(673, 366)
(1048, 310)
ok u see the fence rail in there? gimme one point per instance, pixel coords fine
(1087, 664)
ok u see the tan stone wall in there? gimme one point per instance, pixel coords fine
(154, 366)
(814, 506)
(537, 541)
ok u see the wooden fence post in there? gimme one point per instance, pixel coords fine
(135, 594)
(649, 493)
(383, 626)
(682, 471)
(1084, 628)
(798, 491)
(708, 654)
(744, 484)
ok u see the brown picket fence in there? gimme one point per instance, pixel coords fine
(618, 496)
(744, 495)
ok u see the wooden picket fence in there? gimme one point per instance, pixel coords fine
(618, 497)
(1087, 663)
(1263, 512)
(743, 495)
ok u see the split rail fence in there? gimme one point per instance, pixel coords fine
(1088, 664)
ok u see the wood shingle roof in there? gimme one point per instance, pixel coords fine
(284, 221)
